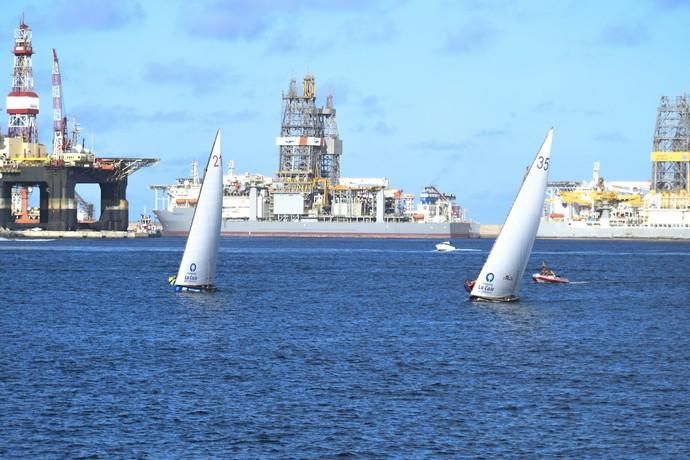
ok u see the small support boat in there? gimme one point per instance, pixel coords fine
(549, 278)
(445, 246)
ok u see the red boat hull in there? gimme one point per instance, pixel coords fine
(539, 278)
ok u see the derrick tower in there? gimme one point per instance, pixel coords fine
(301, 132)
(330, 159)
(22, 100)
(309, 148)
(671, 146)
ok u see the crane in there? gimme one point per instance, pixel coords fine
(61, 142)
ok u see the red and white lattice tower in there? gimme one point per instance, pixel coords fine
(22, 100)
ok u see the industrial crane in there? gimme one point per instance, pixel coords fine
(61, 142)
(65, 148)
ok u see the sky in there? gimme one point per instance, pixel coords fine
(458, 94)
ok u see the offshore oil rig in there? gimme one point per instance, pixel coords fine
(656, 208)
(25, 164)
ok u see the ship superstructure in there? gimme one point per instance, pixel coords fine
(239, 190)
(307, 190)
(659, 208)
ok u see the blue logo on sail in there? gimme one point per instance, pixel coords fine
(487, 287)
(191, 276)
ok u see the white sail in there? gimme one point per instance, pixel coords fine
(198, 265)
(501, 274)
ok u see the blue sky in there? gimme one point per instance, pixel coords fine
(458, 94)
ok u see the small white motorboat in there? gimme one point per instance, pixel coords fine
(445, 246)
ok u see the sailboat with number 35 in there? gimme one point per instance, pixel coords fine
(500, 276)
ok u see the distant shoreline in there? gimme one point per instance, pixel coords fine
(492, 230)
(489, 230)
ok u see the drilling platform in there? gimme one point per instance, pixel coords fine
(25, 164)
(650, 209)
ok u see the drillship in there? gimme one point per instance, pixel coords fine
(307, 196)
(656, 209)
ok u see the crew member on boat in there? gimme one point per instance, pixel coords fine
(545, 271)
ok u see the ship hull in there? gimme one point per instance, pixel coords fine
(177, 222)
(581, 230)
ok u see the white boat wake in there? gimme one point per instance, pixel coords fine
(458, 250)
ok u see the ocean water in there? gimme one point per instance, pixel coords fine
(323, 348)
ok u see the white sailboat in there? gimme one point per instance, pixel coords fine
(501, 274)
(198, 265)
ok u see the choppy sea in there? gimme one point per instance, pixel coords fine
(330, 348)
